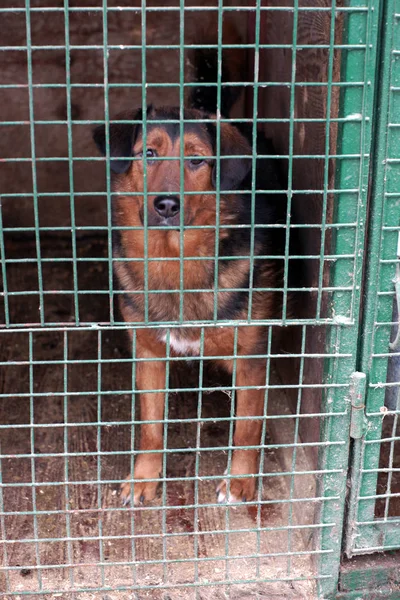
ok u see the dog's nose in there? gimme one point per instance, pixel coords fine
(167, 206)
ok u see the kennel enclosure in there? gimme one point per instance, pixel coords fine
(322, 80)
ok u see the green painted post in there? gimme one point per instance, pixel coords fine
(354, 145)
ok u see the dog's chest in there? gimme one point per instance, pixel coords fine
(180, 344)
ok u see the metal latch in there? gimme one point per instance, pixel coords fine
(357, 397)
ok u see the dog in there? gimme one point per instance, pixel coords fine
(245, 229)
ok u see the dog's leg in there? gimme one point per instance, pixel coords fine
(250, 402)
(149, 376)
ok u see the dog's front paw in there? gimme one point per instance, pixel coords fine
(243, 489)
(146, 467)
(143, 491)
(240, 490)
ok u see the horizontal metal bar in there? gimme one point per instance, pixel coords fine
(381, 522)
(102, 159)
(133, 422)
(185, 450)
(165, 586)
(305, 386)
(304, 192)
(106, 538)
(106, 361)
(121, 47)
(168, 561)
(201, 8)
(149, 508)
(383, 440)
(82, 292)
(55, 260)
(336, 321)
(163, 85)
(390, 495)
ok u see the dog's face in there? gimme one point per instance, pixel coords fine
(164, 197)
(159, 182)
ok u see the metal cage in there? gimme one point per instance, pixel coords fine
(322, 82)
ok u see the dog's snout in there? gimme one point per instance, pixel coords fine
(167, 206)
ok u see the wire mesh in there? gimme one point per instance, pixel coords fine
(69, 396)
(73, 133)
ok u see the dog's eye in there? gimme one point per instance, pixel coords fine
(196, 161)
(149, 153)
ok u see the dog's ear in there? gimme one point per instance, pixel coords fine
(232, 170)
(122, 137)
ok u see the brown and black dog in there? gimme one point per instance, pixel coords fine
(248, 225)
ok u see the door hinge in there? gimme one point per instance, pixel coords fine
(358, 386)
